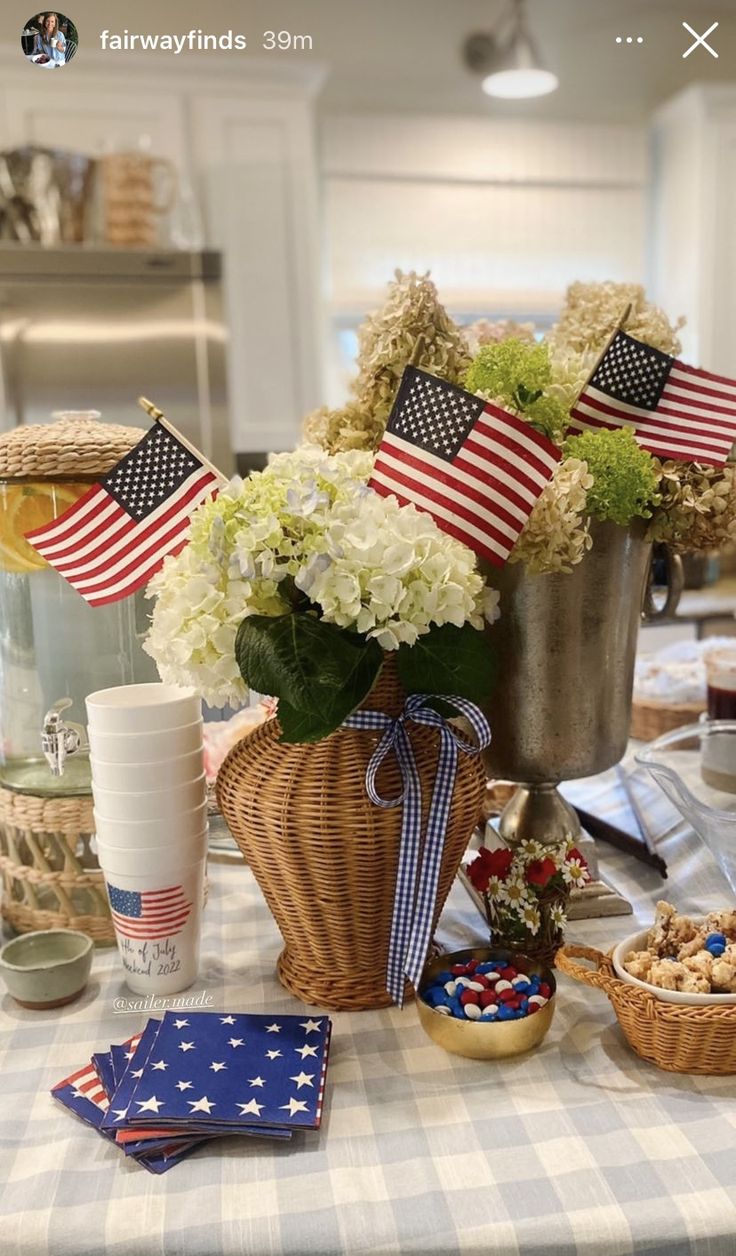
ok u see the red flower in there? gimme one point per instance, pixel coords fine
(487, 864)
(540, 871)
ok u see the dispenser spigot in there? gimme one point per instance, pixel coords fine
(60, 738)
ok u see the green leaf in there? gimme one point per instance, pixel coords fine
(303, 726)
(449, 660)
(319, 672)
(525, 396)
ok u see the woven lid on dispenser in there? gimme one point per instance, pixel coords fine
(75, 446)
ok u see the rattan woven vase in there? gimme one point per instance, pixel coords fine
(325, 857)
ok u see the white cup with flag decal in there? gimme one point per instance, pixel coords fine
(156, 905)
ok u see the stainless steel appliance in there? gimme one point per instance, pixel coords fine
(92, 329)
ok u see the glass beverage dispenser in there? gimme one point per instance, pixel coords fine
(54, 650)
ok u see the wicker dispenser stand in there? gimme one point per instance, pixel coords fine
(50, 875)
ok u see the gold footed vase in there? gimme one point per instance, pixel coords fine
(325, 857)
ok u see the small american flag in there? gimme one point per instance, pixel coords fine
(150, 913)
(114, 539)
(676, 411)
(475, 468)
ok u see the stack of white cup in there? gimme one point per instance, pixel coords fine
(150, 809)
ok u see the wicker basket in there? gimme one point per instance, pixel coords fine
(650, 720)
(325, 857)
(51, 878)
(674, 1036)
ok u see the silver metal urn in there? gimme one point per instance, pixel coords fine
(565, 646)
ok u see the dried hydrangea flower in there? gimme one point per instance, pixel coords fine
(698, 507)
(556, 535)
(592, 312)
(412, 326)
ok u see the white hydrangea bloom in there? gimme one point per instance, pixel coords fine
(306, 525)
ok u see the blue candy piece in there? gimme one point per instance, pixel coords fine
(720, 938)
(716, 949)
(489, 1016)
(506, 1013)
(524, 1003)
(484, 968)
(523, 987)
(441, 978)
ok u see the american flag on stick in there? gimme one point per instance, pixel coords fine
(676, 411)
(477, 469)
(115, 538)
(149, 914)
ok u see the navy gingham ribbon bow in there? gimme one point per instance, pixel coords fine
(414, 906)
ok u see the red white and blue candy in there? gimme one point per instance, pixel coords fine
(492, 990)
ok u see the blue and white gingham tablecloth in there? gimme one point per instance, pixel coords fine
(580, 1149)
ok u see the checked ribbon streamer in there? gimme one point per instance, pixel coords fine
(414, 904)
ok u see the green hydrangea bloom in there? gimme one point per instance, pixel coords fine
(625, 480)
(519, 374)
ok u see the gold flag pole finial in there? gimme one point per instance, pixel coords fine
(158, 416)
(150, 408)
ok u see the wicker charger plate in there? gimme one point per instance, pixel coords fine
(674, 1036)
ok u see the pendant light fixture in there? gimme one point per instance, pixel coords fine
(509, 61)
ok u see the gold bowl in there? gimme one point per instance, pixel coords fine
(486, 1040)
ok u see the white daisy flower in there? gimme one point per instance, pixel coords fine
(514, 891)
(532, 850)
(574, 872)
(495, 886)
(531, 918)
(557, 915)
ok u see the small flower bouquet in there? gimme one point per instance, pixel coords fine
(300, 579)
(525, 892)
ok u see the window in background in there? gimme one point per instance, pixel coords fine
(343, 342)
(504, 214)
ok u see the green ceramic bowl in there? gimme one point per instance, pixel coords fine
(48, 968)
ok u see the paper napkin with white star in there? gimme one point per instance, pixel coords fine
(203, 1075)
(208, 1069)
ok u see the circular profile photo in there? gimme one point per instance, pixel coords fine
(49, 40)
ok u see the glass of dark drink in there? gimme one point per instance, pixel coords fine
(720, 669)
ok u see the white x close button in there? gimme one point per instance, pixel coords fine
(700, 40)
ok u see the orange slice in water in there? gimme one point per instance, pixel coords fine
(24, 507)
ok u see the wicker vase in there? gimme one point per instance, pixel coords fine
(325, 857)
